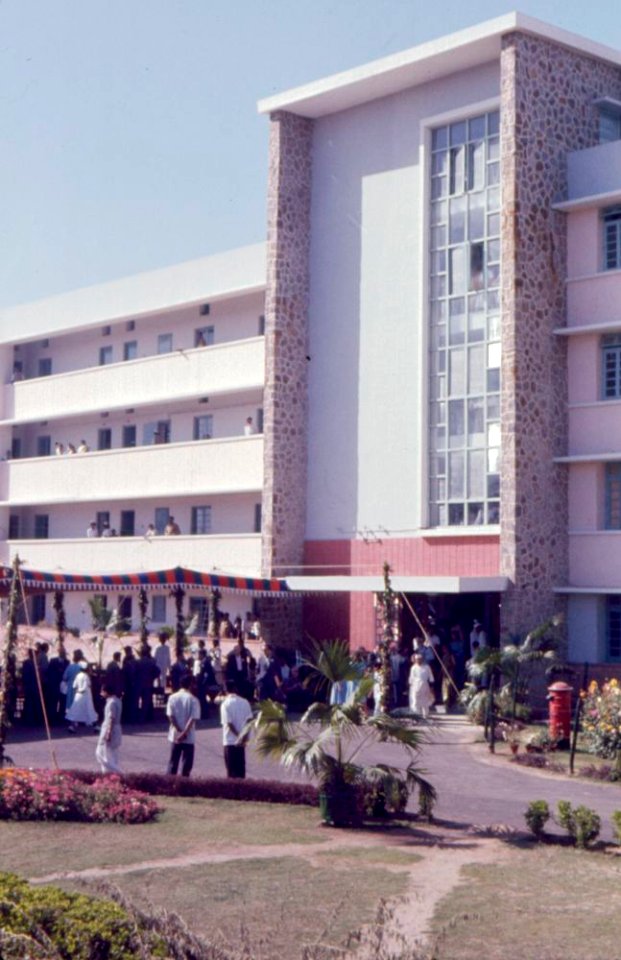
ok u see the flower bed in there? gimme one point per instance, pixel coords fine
(601, 718)
(49, 795)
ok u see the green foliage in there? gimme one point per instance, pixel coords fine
(616, 825)
(330, 737)
(536, 816)
(581, 823)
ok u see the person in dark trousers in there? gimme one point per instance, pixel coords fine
(235, 711)
(183, 710)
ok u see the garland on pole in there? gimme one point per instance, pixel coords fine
(143, 603)
(9, 660)
(388, 604)
(61, 620)
(178, 593)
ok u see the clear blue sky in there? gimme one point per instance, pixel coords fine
(129, 133)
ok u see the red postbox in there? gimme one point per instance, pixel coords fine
(559, 723)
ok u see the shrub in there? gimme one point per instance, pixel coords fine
(254, 791)
(582, 824)
(616, 825)
(601, 718)
(537, 815)
(48, 795)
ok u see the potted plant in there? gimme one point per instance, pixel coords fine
(329, 740)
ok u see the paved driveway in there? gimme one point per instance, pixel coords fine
(473, 788)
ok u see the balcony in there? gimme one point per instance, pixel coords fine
(235, 553)
(221, 369)
(595, 558)
(232, 465)
(595, 429)
(591, 299)
(594, 172)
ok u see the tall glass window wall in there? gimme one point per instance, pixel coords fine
(464, 389)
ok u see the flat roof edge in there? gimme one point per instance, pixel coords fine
(324, 96)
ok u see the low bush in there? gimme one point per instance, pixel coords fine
(540, 761)
(49, 795)
(581, 823)
(537, 815)
(255, 791)
(616, 825)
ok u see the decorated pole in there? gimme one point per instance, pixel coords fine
(178, 593)
(387, 602)
(61, 620)
(214, 612)
(143, 604)
(7, 686)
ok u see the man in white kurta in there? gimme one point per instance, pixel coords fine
(110, 736)
(235, 712)
(421, 678)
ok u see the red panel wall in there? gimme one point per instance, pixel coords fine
(351, 616)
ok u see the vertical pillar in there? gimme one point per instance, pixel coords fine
(547, 109)
(285, 400)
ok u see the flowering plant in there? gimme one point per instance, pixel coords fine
(49, 795)
(601, 718)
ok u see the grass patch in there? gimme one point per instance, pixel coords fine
(545, 903)
(382, 856)
(277, 904)
(186, 825)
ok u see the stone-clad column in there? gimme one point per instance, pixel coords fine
(285, 399)
(547, 94)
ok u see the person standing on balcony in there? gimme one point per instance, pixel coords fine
(92, 530)
(83, 447)
(249, 427)
(172, 528)
(58, 449)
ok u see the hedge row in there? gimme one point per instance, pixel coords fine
(221, 788)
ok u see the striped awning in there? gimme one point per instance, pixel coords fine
(153, 580)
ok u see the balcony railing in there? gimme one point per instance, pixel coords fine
(220, 369)
(234, 553)
(177, 469)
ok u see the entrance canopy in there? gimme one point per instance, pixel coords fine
(154, 580)
(345, 584)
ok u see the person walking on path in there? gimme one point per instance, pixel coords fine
(107, 751)
(82, 709)
(183, 710)
(235, 712)
(421, 680)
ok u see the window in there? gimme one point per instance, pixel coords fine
(165, 343)
(612, 238)
(261, 326)
(130, 350)
(44, 367)
(257, 518)
(464, 322)
(41, 526)
(104, 438)
(203, 427)
(105, 356)
(613, 628)
(204, 336)
(156, 432)
(158, 608)
(201, 520)
(130, 325)
(106, 331)
(609, 125)
(102, 519)
(612, 517)
(16, 448)
(128, 523)
(44, 446)
(259, 419)
(611, 366)
(205, 310)
(125, 612)
(14, 527)
(161, 519)
(200, 606)
(129, 435)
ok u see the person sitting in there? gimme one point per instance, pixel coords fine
(71, 449)
(172, 528)
(83, 447)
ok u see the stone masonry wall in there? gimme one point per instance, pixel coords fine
(285, 400)
(547, 109)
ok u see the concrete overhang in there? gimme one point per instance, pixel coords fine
(421, 64)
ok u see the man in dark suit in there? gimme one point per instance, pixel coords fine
(237, 669)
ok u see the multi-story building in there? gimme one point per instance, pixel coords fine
(157, 376)
(437, 380)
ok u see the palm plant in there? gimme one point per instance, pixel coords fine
(330, 739)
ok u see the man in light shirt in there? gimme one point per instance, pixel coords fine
(162, 659)
(110, 735)
(234, 714)
(183, 710)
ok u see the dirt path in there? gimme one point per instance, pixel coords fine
(444, 852)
